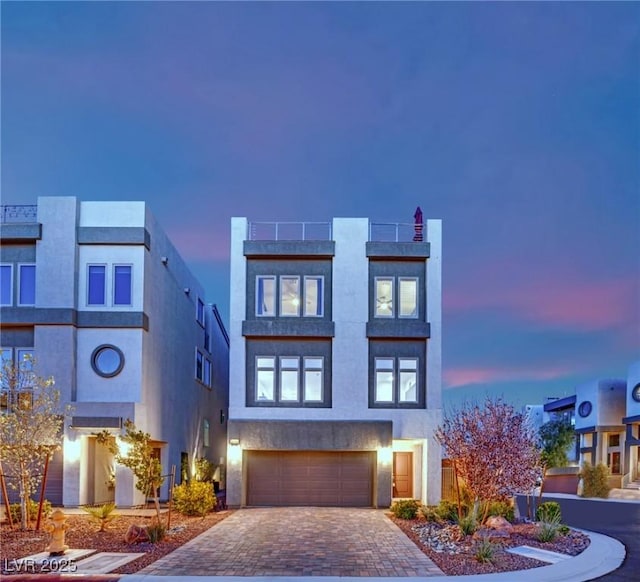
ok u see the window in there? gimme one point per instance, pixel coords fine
(26, 285)
(384, 380)
(96, 285)
(313, 379)
(265, 296)
(6, 284)
(313, 300)
(396, 380)
(199, 365)
(207, 373)
(286, 384)
(384, 296)
(122, 285)
(107, 361)
(205, 433)
(207, 341)
(408, 297)
(200, 312)
(265, 379)
(289, 296)
(21, 395)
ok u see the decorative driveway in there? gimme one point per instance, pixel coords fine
(299, 541)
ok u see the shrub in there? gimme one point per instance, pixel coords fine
(32, 510)
(549, 524)
(499, 508)
(194, 498)
(448, 510)
(468, 525)
(485, 551)
(548, 511)
(429, 512)
(595, 481)
(205, 470)
(102, 515)
(156, 532)
(563, 530)
(405, 508)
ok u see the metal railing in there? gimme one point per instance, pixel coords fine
(396, 232)
(19, 213)
(289, 231)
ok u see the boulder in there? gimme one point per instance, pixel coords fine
(498, 522)
(494, 535)
(136, 534)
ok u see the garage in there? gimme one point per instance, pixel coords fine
(310, 478)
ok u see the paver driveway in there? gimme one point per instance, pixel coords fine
(299, 541)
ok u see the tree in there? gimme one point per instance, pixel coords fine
(556, 438)
(30, 426)
(137, 456)
(493, 449)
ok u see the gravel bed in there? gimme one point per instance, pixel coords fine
(454, 553)
(84, 534)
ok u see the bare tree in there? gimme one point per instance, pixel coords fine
(493, 448)
(31, 422)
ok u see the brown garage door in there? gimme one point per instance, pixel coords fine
(316, 478)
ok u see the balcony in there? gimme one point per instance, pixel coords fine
(396, 232)
(289, 231)
(18, 213)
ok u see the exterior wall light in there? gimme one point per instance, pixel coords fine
(187, 290)
(71, 450)
(385, 455)
(234, 442)
(164, 260)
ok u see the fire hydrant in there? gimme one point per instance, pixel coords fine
(56, 528)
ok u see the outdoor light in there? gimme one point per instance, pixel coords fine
(385, 455)
(234, 442)
(164, 260)
(71, 450)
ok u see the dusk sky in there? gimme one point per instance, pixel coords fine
(517, 124)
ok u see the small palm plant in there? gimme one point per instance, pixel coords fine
(102, 515)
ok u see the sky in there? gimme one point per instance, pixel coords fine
(517, 124)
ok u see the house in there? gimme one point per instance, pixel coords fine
(97, 293)
(631, 420)
(335, 363)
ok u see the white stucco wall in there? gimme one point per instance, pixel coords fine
(112, 213)
(633, 379)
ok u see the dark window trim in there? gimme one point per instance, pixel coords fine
(95, 355)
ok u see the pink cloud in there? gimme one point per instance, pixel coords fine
(462, 376)
(200, 243)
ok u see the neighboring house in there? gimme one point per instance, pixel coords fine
(106, 305)
(606, 415)
(335, 363)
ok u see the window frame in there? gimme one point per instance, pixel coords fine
(113, 279)
(275, 295)
(273, 370)
(200, 311)
(385, 370)
(19, 290)
(416, 280)
(11, 274)
(206, 433)
(207, 371)
(198, 363)
(319, 298)
(406, 370)
(104, 286)
(94, 356)
(280, 296)
(305, 369)
(281, 369)
(392, 312)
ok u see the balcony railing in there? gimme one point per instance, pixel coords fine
(18, 213)
(289, 231)
(396, 232)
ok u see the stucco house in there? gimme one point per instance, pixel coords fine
(335, 363)
(97, 293)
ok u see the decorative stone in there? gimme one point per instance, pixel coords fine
(498, 522)
(491, 534)
(136, 534)
(56, 527)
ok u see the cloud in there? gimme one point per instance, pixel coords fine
(464, 376)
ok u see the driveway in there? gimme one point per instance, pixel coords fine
(299, 541)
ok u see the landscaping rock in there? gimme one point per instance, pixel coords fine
(491, 534)
(498, 522)
(136, 534)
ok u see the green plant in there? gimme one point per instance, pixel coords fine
(405, 508)
(102, 515)
(429, 512)
(448, 510)
(485, 551)
(557, 437)
(194, 498)
(468, 524)
(548, 511)
(563, 530)
(156, 532)
(499, 508)
(595, 481)
(205, 470)
(32, 510)
(549, 522)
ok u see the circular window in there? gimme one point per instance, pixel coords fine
(635, 393)
(107, 361)
(585, 408)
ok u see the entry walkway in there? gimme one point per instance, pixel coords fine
(299, 541)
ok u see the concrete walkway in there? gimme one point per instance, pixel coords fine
(299, 541)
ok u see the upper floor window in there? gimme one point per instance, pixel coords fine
(26, 284)
(385, 297)
(6, 284)
(396, 380)
(200, 311)
(285, 296)
(289, 379)
(206, 441)
(122, 285)
(18, 390)
(203, 368)
(96, 285)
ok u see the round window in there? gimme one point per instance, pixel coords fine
(635, 393)
(585, 408)
(107, 361)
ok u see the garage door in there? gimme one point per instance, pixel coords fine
(315, 478)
